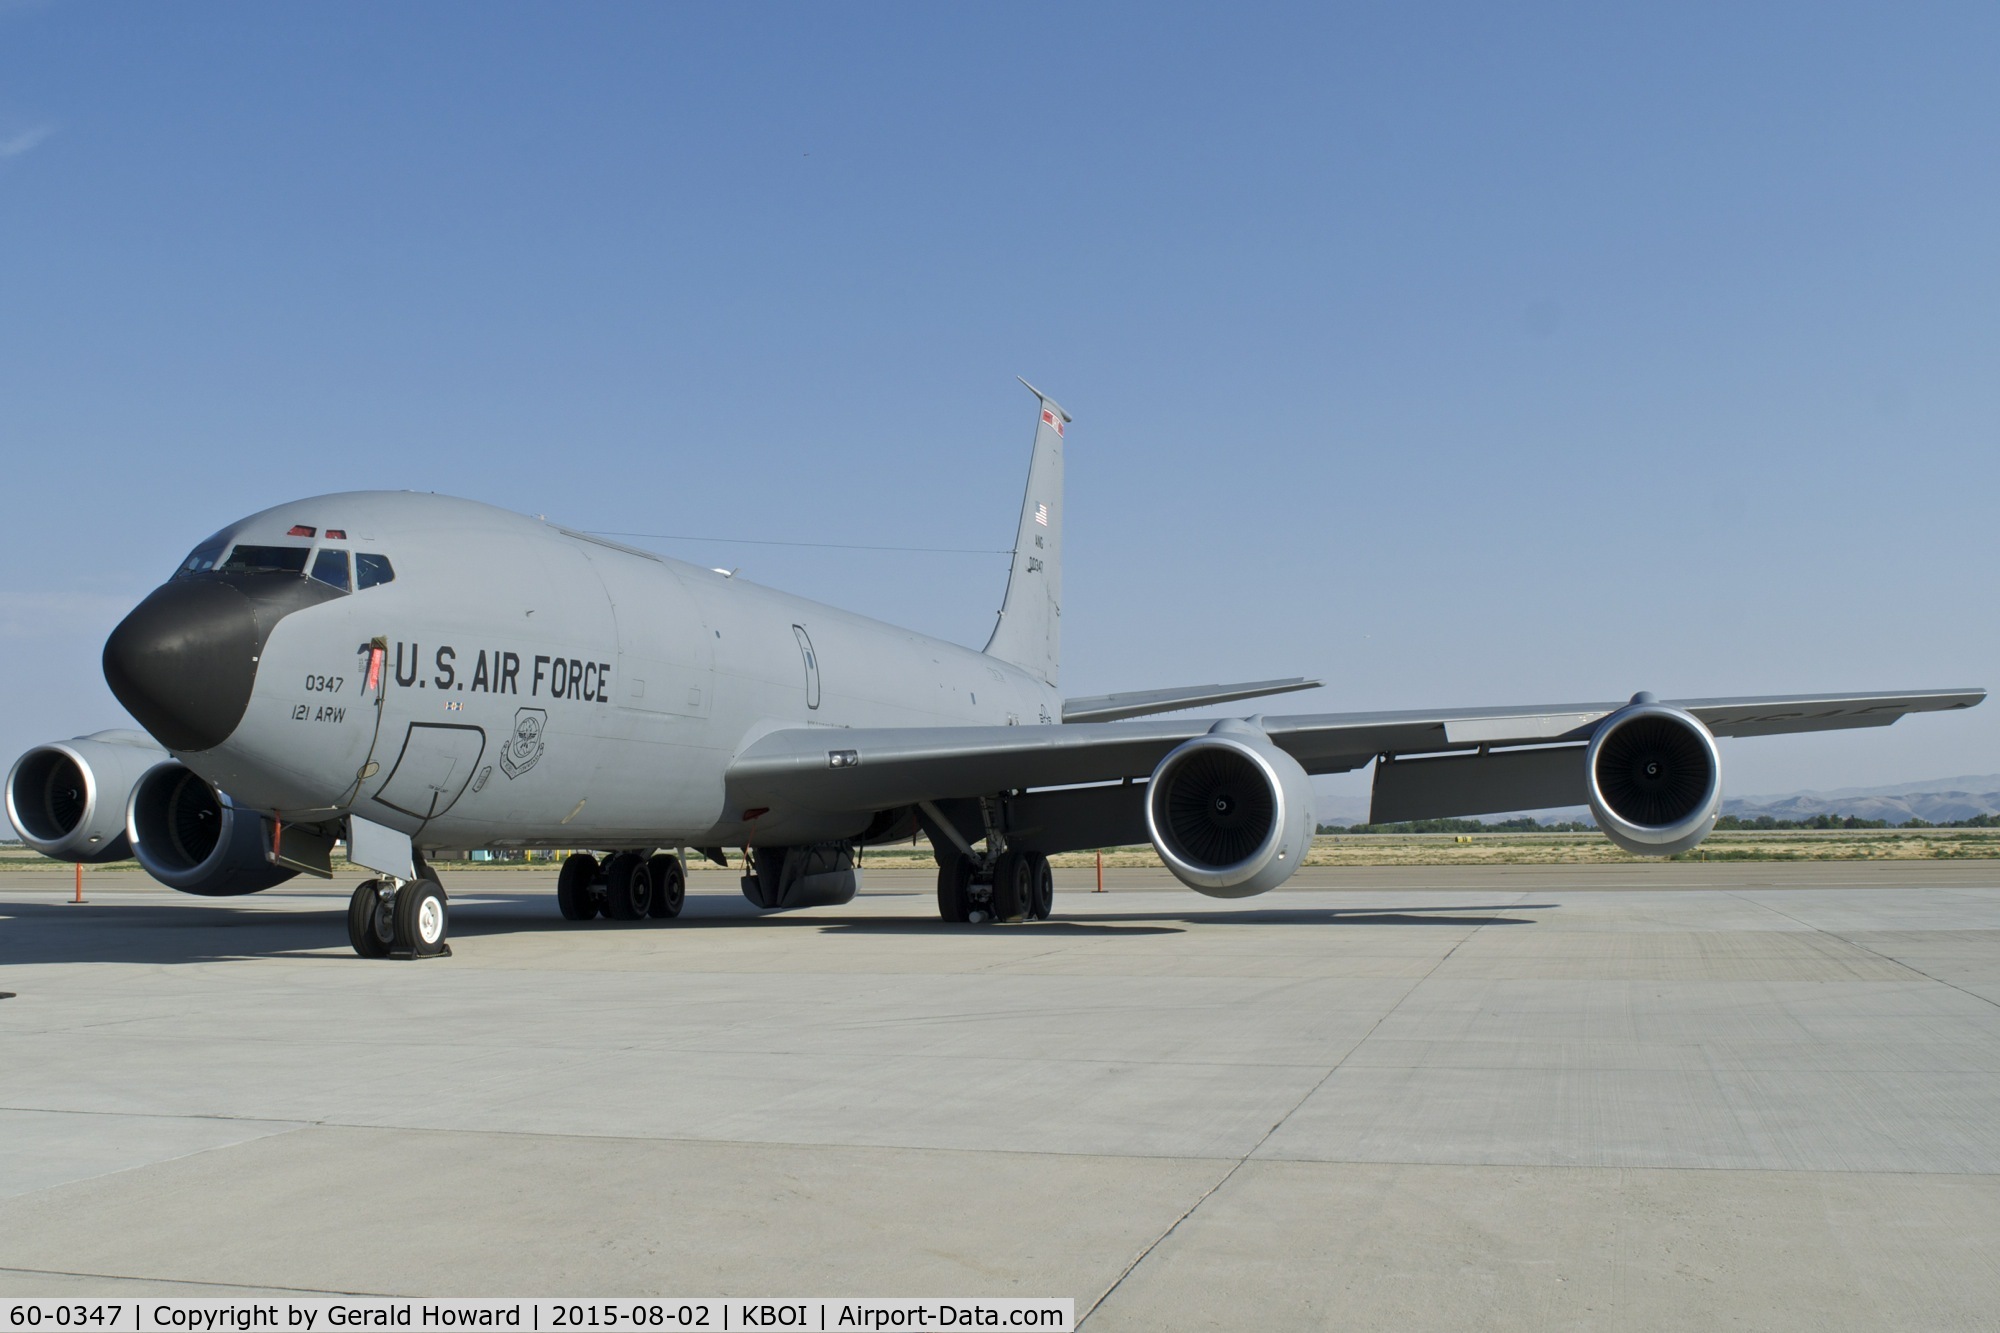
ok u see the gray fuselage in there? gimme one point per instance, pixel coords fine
(539, 687)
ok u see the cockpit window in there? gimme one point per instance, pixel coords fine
(266, 560)
(370, 570)
(330, 568)
(203, 557)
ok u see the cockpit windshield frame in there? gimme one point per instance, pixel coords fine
(338, 567)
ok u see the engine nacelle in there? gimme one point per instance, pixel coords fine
(1230, 813)
(1655, 778)
(67, 800)
(191, 837)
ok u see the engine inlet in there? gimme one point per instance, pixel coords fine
(1219, 807)
(1654, 771)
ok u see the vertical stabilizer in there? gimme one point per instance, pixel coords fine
(1030, 630)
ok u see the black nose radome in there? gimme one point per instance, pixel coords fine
(184, 662)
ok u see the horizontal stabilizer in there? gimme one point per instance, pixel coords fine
(1138, 703)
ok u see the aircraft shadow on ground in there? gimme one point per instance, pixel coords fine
(1326, 916)
(38, 933)
(742, 917)
(216, 931)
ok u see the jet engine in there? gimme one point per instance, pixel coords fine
(192, 837)
(67, 799)
(1655, 778)
(1230, 813)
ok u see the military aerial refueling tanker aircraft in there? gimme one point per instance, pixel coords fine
(409, 672)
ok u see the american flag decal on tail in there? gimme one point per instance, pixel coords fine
(1051, 419)
(1042, 514)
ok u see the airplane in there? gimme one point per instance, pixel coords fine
(405, 672)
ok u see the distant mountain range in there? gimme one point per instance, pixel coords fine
(1937, 801)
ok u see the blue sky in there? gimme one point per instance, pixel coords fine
(1457, 354)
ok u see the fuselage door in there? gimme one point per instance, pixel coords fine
(812, 665)
(665, 650)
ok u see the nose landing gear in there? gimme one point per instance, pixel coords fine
(388, 918)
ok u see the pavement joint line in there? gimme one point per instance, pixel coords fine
(792, 1053)
(196, 1282)
(1887, 958)
(287, 1127)
(293, 1121)
(1237, 1166)
(931, 1150)
(387, 1127)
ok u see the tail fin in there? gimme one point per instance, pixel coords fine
(1030, 630)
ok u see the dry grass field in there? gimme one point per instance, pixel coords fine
(1435, 849)
(1439, 849)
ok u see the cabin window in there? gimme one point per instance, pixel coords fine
(203, 557)
(330, 568)
(266, 560)
(370, 570)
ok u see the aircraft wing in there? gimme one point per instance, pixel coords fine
(824, 768)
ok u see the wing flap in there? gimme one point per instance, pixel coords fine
(1461, 785)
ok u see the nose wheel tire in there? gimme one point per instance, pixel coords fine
(669, 886)
(628, 887)
(371, 926)
(421, 918)
(573, 896)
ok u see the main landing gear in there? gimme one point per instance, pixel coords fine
(390, 918)
(1018, 886)
(1001, 883)
(626, 886)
